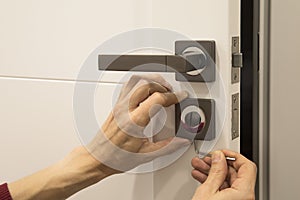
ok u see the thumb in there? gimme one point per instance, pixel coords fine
(217, 173)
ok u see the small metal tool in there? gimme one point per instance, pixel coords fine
(202, 154)
(210, 155)
(226, 157)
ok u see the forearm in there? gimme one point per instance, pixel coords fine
(76, 171)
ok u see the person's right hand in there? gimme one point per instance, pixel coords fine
(224, 180)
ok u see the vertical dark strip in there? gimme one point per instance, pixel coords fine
(255, 99)
(250, 81)
(247, 79)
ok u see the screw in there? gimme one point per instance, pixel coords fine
(234, 99)
(235, 76)
(234, 42)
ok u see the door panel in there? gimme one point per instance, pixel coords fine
(51, 39)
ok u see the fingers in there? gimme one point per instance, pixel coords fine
(156, 78)
(241, 161)
(245, 171)
(163, 99)
(207, 160)
(148, 98)
(232, 175)
(224, 185)
(217, 173)
(200, 165)
(143, 92)
(199, 176)
(135, 79)
(142, 114)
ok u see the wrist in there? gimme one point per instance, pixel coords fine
(79, 170)
(81, 161)
(75, 172)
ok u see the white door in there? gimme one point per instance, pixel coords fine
(43, 46)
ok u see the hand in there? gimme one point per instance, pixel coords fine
(121, 143)
(224, 180)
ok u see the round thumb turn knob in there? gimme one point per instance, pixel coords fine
(193, 119)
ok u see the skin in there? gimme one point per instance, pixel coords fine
(75, 172)
(80, 169)
(223, 180)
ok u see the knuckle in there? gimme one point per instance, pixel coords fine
(160, 97)
(253, 166)
(133, 77)
(141, 120)
(151, 86)
(194, 162)
(141, 83)
(157, 77)
(216, 170)
(134, 118)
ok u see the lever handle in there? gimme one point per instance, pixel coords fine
(152, 63)
(184, 63)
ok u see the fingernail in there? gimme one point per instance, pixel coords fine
(216, 157)
(182, 95)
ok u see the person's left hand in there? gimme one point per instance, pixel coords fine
(121, 144)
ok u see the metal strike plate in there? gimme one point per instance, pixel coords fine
(195, 119)
(237, 60)
(235, 127)
(200, 59)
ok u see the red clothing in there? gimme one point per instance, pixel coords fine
(4, 192)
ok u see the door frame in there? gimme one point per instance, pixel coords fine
(255, 45)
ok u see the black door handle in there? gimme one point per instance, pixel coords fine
(183, 62)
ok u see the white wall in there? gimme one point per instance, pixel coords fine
(284, 100)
